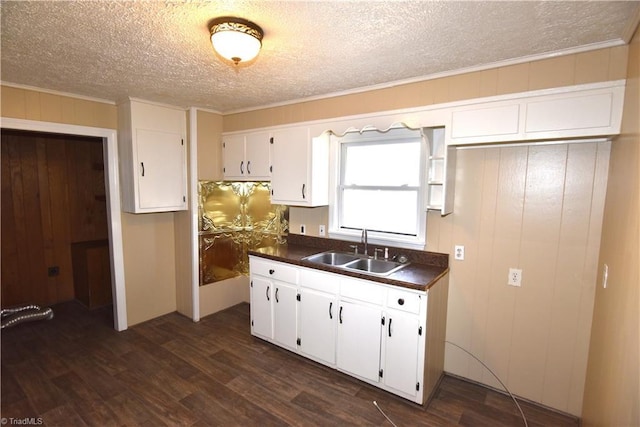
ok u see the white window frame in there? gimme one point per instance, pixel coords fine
(374, 237)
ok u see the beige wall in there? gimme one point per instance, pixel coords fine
(32, 105)
(612, 396)
(149, 265)
(588, 67)
(209, 128)
(539, 209)
(148, 240)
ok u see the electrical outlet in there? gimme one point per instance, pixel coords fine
(458, 252)
(321, 230)
(303, 229)
(515, 277)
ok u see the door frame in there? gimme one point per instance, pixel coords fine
(111, 172)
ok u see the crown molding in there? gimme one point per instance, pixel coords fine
(498, 64)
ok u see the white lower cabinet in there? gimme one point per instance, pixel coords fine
(261, 310)
(372, 331)
(359, 339)
(317, 321)
(285, 314)
(402, 337)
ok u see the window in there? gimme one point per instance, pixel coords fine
(379, 186)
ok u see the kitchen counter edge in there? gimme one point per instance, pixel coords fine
(416, 275)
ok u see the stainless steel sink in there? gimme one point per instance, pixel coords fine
(332, 258)
(359, 263)
(375, 266)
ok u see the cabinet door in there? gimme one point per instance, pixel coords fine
(162, 175)
(284, 314)
(359, 339)
(401, 341)
(318, 315)
(261, 307)
(290, 154)
(257, 156)
(233, 162)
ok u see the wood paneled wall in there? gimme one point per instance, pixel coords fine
(53, 194)
(537, 208)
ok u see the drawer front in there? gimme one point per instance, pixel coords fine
(404, 301)
(274, 270)
(319, 281)
(362, 291)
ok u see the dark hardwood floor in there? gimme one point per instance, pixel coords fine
(76, 370)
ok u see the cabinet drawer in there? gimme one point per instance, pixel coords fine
(402, 300)
(319, 281)
(362, 291)
(274, 270)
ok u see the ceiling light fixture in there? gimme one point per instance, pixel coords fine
(236, 39)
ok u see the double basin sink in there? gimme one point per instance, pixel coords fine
(356, 263)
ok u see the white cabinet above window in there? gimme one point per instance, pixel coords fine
(577, 112)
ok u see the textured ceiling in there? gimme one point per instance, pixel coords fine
(160, 51)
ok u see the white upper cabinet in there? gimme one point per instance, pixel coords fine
(300, 175)
(576, 112)
(153, 157)
(246, 157)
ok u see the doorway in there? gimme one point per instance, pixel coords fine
(55, 243)
(110, 197)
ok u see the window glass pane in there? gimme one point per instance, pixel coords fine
(380, 210)
(390, 164)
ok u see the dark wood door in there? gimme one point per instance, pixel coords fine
(53, 195)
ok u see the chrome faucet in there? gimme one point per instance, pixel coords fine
(363, 240)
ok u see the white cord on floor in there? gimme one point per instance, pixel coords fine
(382, 412)
(496, 377)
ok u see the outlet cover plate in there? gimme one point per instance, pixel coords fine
(515, 277)
(458, 252)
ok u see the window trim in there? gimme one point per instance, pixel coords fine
(336, 165)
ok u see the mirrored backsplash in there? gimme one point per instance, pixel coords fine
(234, 217)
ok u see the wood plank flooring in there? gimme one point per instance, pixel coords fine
(75, 370)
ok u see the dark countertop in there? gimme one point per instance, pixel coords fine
(424, 270)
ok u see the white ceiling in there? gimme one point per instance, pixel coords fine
(160, 50)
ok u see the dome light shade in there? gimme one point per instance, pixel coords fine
(236, 39)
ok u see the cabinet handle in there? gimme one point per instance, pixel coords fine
(142, 164)
(249, 167)
(268, 299)
(400, 301)
(271, 271)
(303, 187)
(277, 289)
(340, 315)
(390, 319)
(242, 167)
(330, 310)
